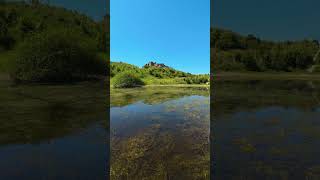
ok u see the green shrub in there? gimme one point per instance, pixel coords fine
(127, 80)
(59, 55)
(316, 69)
(197, 79)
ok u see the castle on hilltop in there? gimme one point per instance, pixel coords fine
(154, 64)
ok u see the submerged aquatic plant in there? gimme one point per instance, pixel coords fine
(171, 144)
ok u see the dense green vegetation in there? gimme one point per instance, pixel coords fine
(156, 75)
(57, 56)
(41, 42)
(127, 80)
(234, 52)
(117, 67)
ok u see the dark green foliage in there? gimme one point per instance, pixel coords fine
(52, 43)
(158, 73)
(103, 37)
(197, 79)
(165, 72)
(20, 20)
(6, 40)
(26, 26)
(127, 80)
(57, 55)
(233, 52)
(119, 67)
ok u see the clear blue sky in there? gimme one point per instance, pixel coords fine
(93, 8)
(173, 32)
(269, 19)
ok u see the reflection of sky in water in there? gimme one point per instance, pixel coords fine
(167, 139)
(278, 135)
(128, 119)
(275, 135)
(53, 131)
(52, 159)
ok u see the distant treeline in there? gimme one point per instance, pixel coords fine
(41, 42)
(234, 52)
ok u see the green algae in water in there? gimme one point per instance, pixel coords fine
(165, 136)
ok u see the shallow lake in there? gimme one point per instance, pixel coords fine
(53, 132)
(260, 129)
(160, 133)
(266, 129)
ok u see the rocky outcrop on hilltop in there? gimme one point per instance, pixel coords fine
(154, 64)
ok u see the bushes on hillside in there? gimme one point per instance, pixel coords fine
(127, 80)
(197, 79)
(57, 55)
(165, 72)
(119, 67)
(158, 75)
(21, 19)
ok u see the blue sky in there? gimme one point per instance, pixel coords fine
(173, 32)
(93, 8)
(269, 19)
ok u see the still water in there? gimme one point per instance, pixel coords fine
(266, 129)
(262, 129)
(160, 133)
(53, 131)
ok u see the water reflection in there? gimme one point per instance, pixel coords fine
(53, 131)
(266, 129)
(160, 133)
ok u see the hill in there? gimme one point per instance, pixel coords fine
(157, 74)
(231, 51)
(19, 20)
(21, 23)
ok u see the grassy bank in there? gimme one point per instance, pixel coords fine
(178, 82)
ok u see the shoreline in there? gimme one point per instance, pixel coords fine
(168, 85)
(218, 76)
(177, 85)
